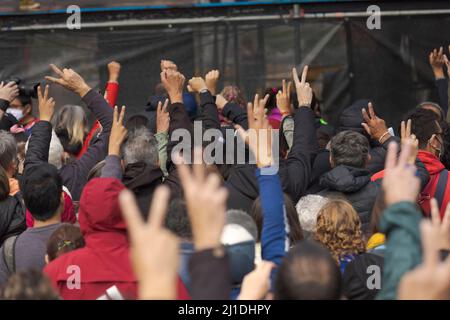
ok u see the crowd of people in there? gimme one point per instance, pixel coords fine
(115, 210)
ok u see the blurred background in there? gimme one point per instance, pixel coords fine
(253, 43)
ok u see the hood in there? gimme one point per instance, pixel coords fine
(140, 174)
(99, 207)
(431, 162)
(351, 117)
(345, 179)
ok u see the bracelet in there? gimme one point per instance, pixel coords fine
(384, 134)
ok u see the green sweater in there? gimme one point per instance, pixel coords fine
(400, 224)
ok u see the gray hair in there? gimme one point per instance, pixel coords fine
(140, 146)
(55, 151)
(8, 149)
(349, 148)
(308, 208)
(243, 219)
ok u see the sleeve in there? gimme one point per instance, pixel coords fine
(400, 224)
(39, 145)
(275, 230)
(442, 90)
(7, 121)
(295, 173)
(236, 114)
(162, 138)
(208, 111)
(288, 130)
(210, 275)
(112, 168)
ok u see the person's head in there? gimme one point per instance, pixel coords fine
(42, 192)
(349, 148)
(66, 238)
(96, 171)
(433, 107)
(140, 146)
(29, 285)
(56, 153)
(339, 229)
(177, 219)
(8, 153)
(234, 95)
(136, 121)
(70, 124)
(21, 106)
(308, 208)
(21, 140)
(295, 229)
(4, 185)
(308, 272)
(425, 126)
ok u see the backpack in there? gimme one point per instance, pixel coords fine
(9, 253)
(439, 193)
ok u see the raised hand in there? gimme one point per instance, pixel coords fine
(284, 99)
(70, 80)
(220, 102)
(400, 182)
(303, 89)
(118, 132)
(9, 91)
(168, 65)
(211, 79)
(205, 201)
(173, 82)
(162, 117)
(437, 62)
(197, 84)
(259, 135)
(405, 134)
(447, 62)
(443, 225)
(256, 284)
(114, 71)
(46, 104)
(431, 279)
(154, 249)
(374, 126)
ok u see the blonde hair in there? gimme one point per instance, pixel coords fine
(73, 119)
(339, 229)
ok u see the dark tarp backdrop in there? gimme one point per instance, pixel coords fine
(347, 60)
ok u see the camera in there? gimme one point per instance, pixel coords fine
(29, 90)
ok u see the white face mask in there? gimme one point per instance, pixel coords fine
(17, 113)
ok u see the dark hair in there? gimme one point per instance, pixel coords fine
(24, 99)
(295, 229)
(377, 212)
(136, 121)
(29, 285)
(96, 171)
(446, 137)
(308, 272)
(424, 123)
(72, 148)
(41, 188)
(349, 148)
(63, 240)
(4, 184)
(177, 219)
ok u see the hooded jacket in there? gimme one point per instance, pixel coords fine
(104, 262)
(355, 185)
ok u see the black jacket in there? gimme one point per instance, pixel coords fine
(12, 217)
(355, 185)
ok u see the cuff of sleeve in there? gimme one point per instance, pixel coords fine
(4, 104)
(91, 95)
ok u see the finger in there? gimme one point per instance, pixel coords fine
(57, 70)
(242, 133)
(402, 130)
(283, 86)
(371, 111)
(295, 76)
(289, 88)
(391, 156)
(184, 172)
(430, 244)
(54, 80)
(116, 114)
(367, 128)
(446, 219)
(256, 102)
(122, 115)
(304, 74)
(198, 168)
(365, 115)
(130, 212)
(405, 153)
(39, 92)
(250, 115)
(46, 92)
(158, 207)
(408, 128)
(435, 217)
(441, 51)
(166, 104)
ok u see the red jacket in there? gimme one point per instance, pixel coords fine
(104, 262)
(434, 167)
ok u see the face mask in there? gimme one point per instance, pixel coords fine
(17, 113)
